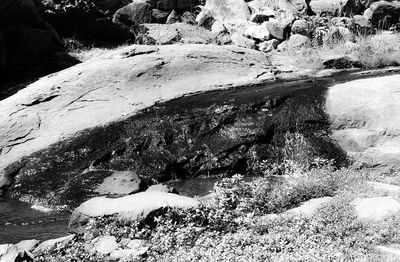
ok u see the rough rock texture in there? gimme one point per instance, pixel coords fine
(366, 120)
(103, 245)
(120, 183)
(137, 207)
(165, 34)
(51, 244)
(226, 9)
(138, 12)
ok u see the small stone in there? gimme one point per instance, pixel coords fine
(104, 245)
(120, 183)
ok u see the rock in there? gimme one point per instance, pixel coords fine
(262, 16)
(383, 14)
(85, 97)
(338, 34)
(137, 207)
(51, 244)
(162, 188)
(332, 7)
(362, 25)
(241, 41)
(103, 245)
(279, 30)
(218, 27)
(136, 244)
(120, 183)
(128, 254)
(393, 254)
(159, 17)
(134, 14)
(268, 46)
(11, 253)
(258, 32)
(227, 9)
(28, 44)
(188, 18)
(376, 208)
(174, 33)
(366, 121)
(298, 41)
(173, 18)
(302, 27)
(237, 26)
(205, 19)
(28, 245)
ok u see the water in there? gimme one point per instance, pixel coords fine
(20, 222)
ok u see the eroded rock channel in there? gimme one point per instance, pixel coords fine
(210, 134)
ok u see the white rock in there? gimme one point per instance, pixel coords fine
(51, 244)
(11, 253)
(228, 9)
(28, 245)
(128, 254)
(162, 188)
(104, 245)
(218, 27)
(259, 32)
(120, 183)
(376, 208)
(309, 207)
(241, 41)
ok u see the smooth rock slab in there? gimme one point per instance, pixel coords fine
(376, 208)
(135, 207)
(11, 253)
(120, 183)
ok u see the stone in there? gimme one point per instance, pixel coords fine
(298, 41)
(174, 33)
(51, 244)
(137, 207)
(11, 253)
(362, 25)
(227, 9)
(365, 120)
(188, 18)
(279, 30)
(309, 207)
(302, 27)
(159, 17)
(172, 18)
(331, 7)
(337, 34)
(120, 183)
(383, 14)
(241, 41)
(238, 26)
(376, 208)
(28, 245)
(258, 32)
(103, 245)
(218, 27)
(134, 14)
(205, 19)
(268, 46)
(162, 188)
(136, 244)
(58, 107)
(262, 16)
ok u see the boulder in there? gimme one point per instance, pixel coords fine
(268, 46)
(28, 245)
(137, 207)
(279, 29)
(205, 19)
(162, 188)
(174, 33)
(51, 244)
(11, 253)
(226, 9)
(96, 93)
(188, 18)
(331, 7)
(172, 18)
(298, 41)
(134, 14)
(302, 27)
(28, 44)
(383, 14)
(241, 41)
(119, 183)
(159, 17)
(258, 32)
(128, 254)
(103, 245)
(218, 27)
(376, 208)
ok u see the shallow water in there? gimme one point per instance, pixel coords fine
(20, 222)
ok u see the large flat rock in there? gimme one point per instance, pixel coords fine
(365, 117)
(115, 86)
